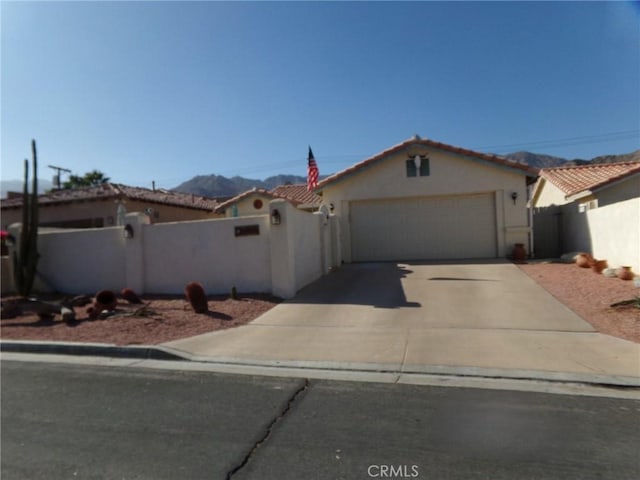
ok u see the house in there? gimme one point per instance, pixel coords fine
(423, 199)
(587, 186)
(592, 208)
(99, 206)
(256, 201)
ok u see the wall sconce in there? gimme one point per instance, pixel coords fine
(128, 231)
(331, 207)
(514, 197)
(275, 217)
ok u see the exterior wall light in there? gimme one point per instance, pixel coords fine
(514, 197)
(128, 231)
(275, 217)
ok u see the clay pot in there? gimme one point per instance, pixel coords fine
(625, 273)
(599, 265)
(584, 260)
(519, 254)
(105, 300)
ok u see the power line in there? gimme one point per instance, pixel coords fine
(561, 142)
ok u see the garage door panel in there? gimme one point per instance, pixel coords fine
(423, 228)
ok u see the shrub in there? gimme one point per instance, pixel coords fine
(196, 297)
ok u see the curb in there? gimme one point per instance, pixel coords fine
(143, 352)
(159, 352)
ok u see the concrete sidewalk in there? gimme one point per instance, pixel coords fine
(480, 318)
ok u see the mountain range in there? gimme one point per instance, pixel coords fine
(220, 186)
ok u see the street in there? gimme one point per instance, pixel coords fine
(91, 422)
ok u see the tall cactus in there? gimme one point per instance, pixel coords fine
(25, 259)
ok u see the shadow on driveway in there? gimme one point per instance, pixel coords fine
(375, 284)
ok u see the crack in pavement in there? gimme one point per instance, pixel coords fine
(277, 419)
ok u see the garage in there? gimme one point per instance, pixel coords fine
(424, 228)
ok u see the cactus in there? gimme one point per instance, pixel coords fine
(196, 297)
(25, 260)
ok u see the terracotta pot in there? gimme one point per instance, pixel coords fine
(625, 273)
(599, 265)
(584, 260)
(105, 300)
(519, 253)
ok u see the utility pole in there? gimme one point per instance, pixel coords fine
(56, 177)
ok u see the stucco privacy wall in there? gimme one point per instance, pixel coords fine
(611, 232)
(300, 248)
(163, 258)
(208, 252)
(450, 174)
(80, 261)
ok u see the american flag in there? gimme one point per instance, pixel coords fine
(312, 172)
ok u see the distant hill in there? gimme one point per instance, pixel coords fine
(7, 186)
(220, 186)
(538, 160)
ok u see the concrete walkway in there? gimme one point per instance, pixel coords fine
(475, 318)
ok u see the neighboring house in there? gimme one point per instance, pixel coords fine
(99, 206)
(593, 208)
(423, 199)
(256, 201)
(587, 186)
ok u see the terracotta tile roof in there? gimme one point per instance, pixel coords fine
(259, 191)
(118, 191)
(297, 193)
(576, 179)
(416, 140)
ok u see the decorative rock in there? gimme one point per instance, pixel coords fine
(68, 315)
(610, 272)
(599, 265)
(81, 300)
(584, 260)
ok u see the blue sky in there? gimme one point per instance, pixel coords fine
(165, 91)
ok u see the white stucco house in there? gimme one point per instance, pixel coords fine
(423, 199)
(592, 208)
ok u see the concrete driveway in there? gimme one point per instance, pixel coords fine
(479, 316)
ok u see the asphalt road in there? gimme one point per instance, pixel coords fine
(89, 422)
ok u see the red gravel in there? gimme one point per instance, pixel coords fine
(590, 295)
(170, 318)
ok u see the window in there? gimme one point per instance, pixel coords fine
(412, 168)
(257, 204)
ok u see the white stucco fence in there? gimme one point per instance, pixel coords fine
(279, 259)
(611, 232)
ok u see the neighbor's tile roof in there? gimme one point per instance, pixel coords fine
(416, 140)
(242, 196)
(576, 179)
(298, 193)
(118, 191)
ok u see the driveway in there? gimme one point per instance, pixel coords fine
(424, 317)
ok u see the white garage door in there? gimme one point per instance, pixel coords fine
(424, 228)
